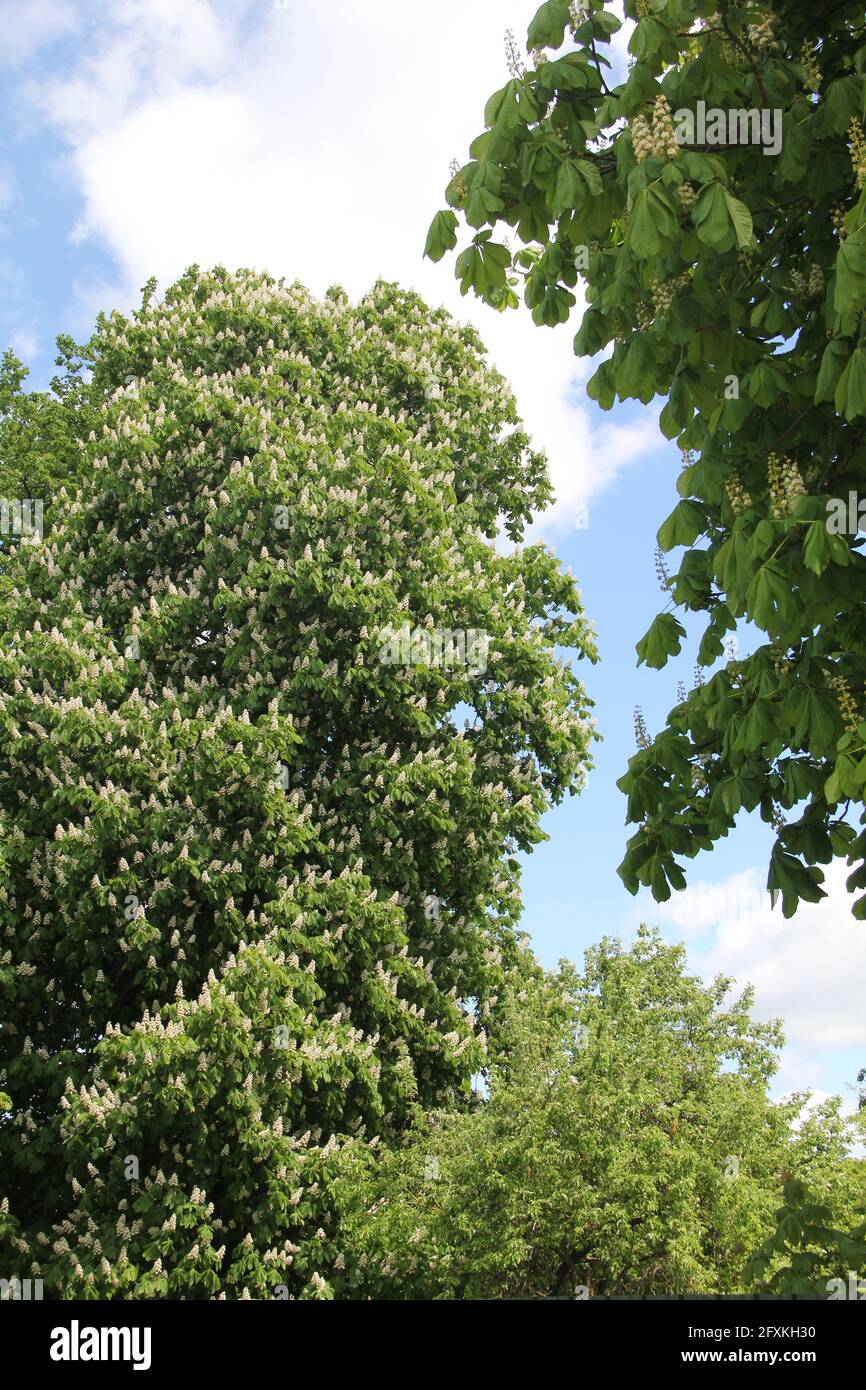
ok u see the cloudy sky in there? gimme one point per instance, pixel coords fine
(312, 138)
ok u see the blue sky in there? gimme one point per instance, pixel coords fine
(312, 138)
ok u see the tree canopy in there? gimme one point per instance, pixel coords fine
(251, 868)
(712, 204)
(41, 437)
(627, 1146)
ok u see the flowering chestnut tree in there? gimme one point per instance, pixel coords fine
(713, 204)
(253, 868)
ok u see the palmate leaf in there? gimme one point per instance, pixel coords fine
(606, 22)
(662, 640)
(712, 218)
(842, 100)
(482, 267)
(442, 235)
(548, 24)
(722, 221)
(553, 306)
(764, 383)
(511, 106)
(480, 204)
(816, 721)
(686, 522)
(760, 726)
(653, 222)
(794, 881)
(770, 601)
(568, 74)
(635, 374)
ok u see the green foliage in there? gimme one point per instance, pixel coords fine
(628, 1145)
(724, 269)
(806, 1254)
(42, 432)
(249, 870)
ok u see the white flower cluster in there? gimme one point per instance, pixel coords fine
(785, 485)
(660, 139)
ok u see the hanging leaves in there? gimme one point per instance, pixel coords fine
(728, 272)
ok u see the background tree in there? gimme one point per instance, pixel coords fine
(249, 870)
(730, 278)
(42, 432)
(806, 1254)
(628, 1145)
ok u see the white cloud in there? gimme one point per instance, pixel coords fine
(312, 141)
(810, 970)
(800, 1070)
(24, 343)
(27, 28)
(703, 906)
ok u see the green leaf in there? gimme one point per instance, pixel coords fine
(769, 597)
(547, 26)
(442, 235)
(570, 191)
(758, 728)
(607, 22)
(816, 722)
(482, 267)
(850, 394)
(662, 640)
(816, 547)
(833, 361)
(592, 177)
(568, 74)
(510, 106)
(634, 377)
(686, 522)
(763, 383)
(653, 222)
(842, 100)
(790, 878)
(851, 274)
(741, 219)
(714, 220)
